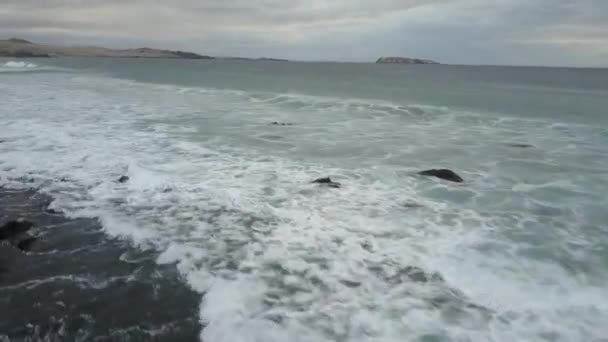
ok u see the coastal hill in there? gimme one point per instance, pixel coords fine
(15, 47)
(404, 60)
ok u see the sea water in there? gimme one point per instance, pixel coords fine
(220, 188)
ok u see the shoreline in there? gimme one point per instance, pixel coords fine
(76, 283)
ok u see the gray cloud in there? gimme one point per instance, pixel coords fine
(546, 32)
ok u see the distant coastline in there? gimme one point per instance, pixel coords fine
(20, 48)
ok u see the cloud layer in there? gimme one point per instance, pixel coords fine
(531, 32)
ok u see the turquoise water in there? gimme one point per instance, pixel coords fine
(517, 252)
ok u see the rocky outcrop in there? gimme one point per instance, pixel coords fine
(445, 174)
(16, 233)
(404, 60)
(15, 47)
(14, 229)
(123, 179)
(326, 181)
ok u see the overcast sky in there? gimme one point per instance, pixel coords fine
(530, 32)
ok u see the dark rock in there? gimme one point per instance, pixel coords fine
(276, 123)
(327, 182)
(445, 174)
(412, 205)
(123, 179)
(350, 283)
(52, 211)
(14, 228)
(26, 244)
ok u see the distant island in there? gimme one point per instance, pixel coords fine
(404, 60)
(21, 48)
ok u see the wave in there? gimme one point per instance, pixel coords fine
(293, 102)
(18, 65)
(26, 67)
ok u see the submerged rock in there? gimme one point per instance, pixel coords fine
(327, 182)
(520, 145)
(14, 228)
(445, 174)
(412, 205)
(26, 244)
(123, 179)
(276, 123)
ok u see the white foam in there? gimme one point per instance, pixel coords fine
(18, 65)
(27, 68)
(278, 258)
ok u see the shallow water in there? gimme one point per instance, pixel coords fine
(517, 252)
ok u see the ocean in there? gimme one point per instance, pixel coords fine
(220, 156)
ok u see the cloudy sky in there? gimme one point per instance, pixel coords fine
(529, 32)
